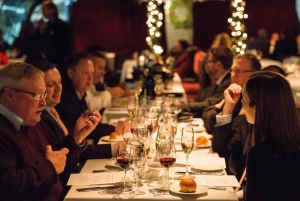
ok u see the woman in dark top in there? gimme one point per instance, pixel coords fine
(273, 163)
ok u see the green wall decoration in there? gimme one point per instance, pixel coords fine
(180, 13)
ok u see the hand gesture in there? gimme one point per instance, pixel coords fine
(231, 95)
(57, 158)
(85, 124)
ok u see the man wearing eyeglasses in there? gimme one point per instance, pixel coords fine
(29, 168)
(232, 132)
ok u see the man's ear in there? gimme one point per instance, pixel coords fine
(8, 93)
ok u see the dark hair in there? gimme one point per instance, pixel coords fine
(255, 63)
(96, 54)
(73, 60)
(222, 54)
(53, 7)
(43, 65)
(184, 44)
(276, 117)
(274, 68)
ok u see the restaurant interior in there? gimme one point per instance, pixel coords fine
(125, 27)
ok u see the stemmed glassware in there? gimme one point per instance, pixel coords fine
(187, 143)
(167, 158)
(176, 106)
(143, 137)
(132, 106)
(124, 160)
(137, 154)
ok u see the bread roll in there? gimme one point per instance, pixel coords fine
(187, 185)
(201, 141)
(113, 135)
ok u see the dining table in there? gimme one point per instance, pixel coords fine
(210, 162)
(118, 107)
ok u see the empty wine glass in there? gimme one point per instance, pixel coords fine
(187, 143)
(124, 160)
(138, 158)
(167, 158)
(132, 105)
(176, 106)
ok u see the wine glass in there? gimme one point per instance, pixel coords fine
(143, 135)
(167, 158)
(187, 143)
(127, 132)
(138, 158)
(132, 106)
(124, 160)
(176, 106)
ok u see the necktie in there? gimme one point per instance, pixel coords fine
(60, 123)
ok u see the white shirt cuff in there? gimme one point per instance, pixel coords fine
(223, 119)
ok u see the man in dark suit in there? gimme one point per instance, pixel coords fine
(217, 64)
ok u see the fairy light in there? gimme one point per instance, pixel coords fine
(238, 28)
(154, 23)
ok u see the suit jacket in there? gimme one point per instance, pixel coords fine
(57, 135)
(210, 113)
(70, 109)
(233, 141)
(209, 96)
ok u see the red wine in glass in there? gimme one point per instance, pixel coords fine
(124, 162)
(167, 161)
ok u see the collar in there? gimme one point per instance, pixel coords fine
(79, 96)
(12, 117)
(219, 81)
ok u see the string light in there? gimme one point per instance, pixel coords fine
(154, 23)
(238, 28)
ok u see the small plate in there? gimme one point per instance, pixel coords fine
(107, 139)
(200, 190)
(208, 167)
(204, 146)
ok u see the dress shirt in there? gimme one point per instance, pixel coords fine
(223, 119)
(12, 117)
(97, 100)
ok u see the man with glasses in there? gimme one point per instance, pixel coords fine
(215, 79)
(29, 167)
(232, 133)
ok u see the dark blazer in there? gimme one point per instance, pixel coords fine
(209, 96)
(57, 135)
(233, 141)
(70, 109)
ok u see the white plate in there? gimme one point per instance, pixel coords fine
(204, 146)
(200, 190)
(208, 166)
(107, 139)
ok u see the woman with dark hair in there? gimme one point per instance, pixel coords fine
(273, 163)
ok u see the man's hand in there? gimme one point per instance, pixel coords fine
(220, 104)
(57, 158)
(116, 92)
(85, 124)
(231, 95)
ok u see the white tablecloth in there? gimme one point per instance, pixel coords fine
(98, 164)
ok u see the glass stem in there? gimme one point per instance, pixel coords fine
(124, 179)
(136, 174)
(166, 177)
(187, 164)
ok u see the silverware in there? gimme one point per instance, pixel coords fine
(96, 188)
(203, 173)
(217, 188)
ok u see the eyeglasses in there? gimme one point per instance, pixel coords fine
(240, 71)
(36, 96)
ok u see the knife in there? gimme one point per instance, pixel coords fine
(203, 173)
(97, 188)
